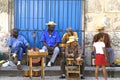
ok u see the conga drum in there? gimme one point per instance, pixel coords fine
(26, 71)
(36, 72)
(78, 62)
(69, 61)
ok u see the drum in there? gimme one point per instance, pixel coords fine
(36, 72)
(78, 62)
(70, 61)
(26, 72)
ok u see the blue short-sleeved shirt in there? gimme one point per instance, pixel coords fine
(50, 39)
(20, 41)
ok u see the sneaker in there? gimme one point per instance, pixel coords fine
(11, 63)
(62, 77)
(5, 64)
(49, 64)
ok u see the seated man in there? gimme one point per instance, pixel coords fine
(107, 42)
(69, 33)
(50, 39)
(18, 45)
(72, 50)
(66, 36)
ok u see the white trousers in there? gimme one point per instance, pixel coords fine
(54, 55)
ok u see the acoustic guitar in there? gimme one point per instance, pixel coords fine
(35, 60)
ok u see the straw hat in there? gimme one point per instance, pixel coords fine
(72, 39)
(100, 27)
(51, 23)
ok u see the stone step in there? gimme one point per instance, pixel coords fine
(55, 71)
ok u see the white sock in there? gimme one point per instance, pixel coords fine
(14, 55)
(63, 74)
(19, 62)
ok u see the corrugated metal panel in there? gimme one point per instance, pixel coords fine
(32, 15)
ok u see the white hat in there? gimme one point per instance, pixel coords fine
(100, 27)
(72, 39)
(51, 23)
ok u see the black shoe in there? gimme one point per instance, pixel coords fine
(112, 65)
(82, 77)
(62, 77)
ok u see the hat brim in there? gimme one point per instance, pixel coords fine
(100, 27)
(51, 24)
(70, 41)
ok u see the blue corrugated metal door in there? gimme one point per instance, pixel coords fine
(32, 15)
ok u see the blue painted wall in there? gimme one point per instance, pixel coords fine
(32, 15)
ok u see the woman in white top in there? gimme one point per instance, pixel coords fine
(100, 59)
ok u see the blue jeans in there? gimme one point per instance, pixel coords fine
(19, 53)
(110, 52)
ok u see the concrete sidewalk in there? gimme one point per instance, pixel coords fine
(50, 78)
(55, 71)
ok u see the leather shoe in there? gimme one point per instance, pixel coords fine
(82, 77)
(13, 58)
(112, 65)
(19, 67)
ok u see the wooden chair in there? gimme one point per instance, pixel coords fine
(73, 66)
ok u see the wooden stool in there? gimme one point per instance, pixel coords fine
(72, 66)
(35, 54)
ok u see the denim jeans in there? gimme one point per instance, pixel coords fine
(110, 52)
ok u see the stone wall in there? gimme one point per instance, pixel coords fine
(105, 12)
(5, 23)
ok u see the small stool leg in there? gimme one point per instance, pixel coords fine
(30, 66)
(42, 69)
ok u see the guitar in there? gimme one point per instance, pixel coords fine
(35, 60)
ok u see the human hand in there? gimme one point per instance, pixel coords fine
(28, 47)
(78, 59)
(71, 55)
(50, 48)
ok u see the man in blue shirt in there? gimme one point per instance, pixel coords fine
(18, 45)
(50, 39)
